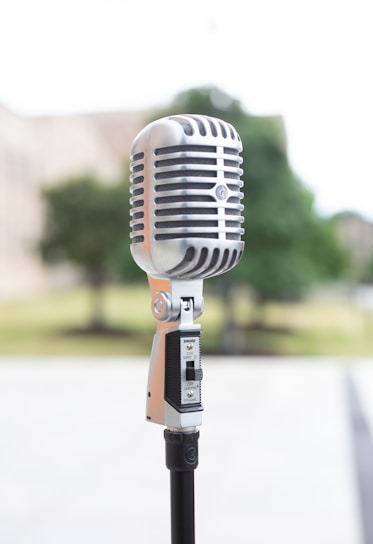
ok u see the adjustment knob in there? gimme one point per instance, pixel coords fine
(161, 306)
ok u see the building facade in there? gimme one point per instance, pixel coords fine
(39, 152)
(356, 234)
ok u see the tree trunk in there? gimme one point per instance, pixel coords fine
(230, 343)
(258, 313)
(97, 286)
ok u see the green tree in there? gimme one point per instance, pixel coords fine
(331, 258)
(85, 223)
(284, 237)
(287, 246)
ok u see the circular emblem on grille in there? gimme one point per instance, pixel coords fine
(221, 192)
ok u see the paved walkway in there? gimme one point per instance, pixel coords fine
(79, 465)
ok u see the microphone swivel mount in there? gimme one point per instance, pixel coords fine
(175, 374)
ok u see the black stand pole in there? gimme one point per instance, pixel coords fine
(181, 460)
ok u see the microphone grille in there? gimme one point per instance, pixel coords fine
(185, 189)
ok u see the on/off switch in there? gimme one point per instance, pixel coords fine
(192, 373)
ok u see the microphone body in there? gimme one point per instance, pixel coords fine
(186, 225)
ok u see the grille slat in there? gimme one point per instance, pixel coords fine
(185, 160)
(181, 224)
(175, 235)
(171, 199)
(138, 179)
(187, 173)
(184, 186)
(187, 148)
(166, 212)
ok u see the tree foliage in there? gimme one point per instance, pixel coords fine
(287, 246)
(85, 223)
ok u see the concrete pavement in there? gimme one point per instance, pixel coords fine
(79, 464)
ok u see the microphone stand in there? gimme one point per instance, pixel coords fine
(182, 460)
(174, 393)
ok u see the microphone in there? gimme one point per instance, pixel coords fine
(186, 225)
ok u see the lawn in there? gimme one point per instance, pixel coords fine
(43, 325)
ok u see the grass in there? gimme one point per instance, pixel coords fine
(325, 328)
(39, 325)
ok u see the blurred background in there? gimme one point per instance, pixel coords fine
(78, 80)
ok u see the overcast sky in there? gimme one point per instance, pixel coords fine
(309, 61)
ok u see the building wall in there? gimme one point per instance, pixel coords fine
(356, 234)
(38, 152)
(19, 203)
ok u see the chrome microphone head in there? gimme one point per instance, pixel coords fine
(186, 199)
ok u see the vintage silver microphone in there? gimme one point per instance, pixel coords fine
(186, 226)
